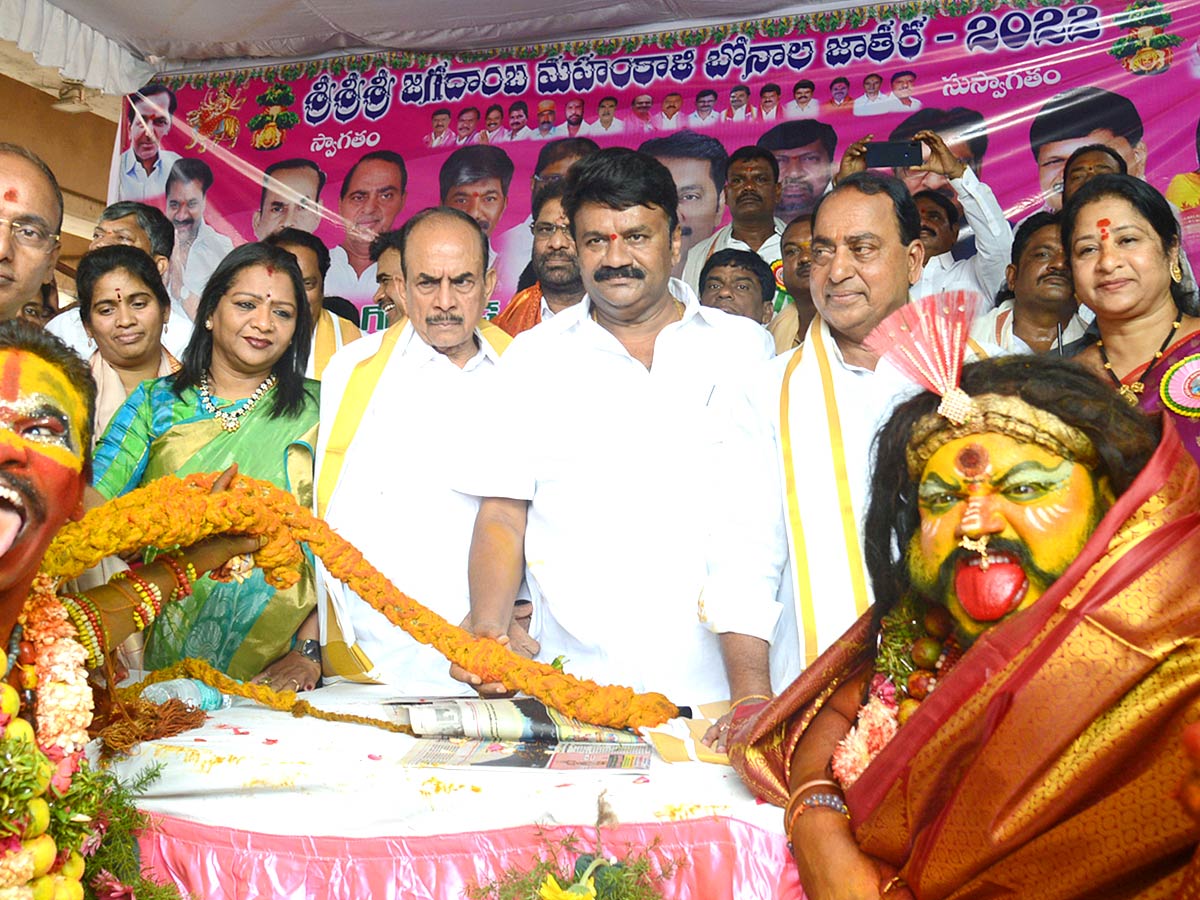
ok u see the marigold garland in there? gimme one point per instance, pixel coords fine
(250, 506)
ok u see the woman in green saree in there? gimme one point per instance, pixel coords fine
(240, 398)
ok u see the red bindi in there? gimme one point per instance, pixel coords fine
(118, 291)
(972, 460)
(11, 195)
(1103, 224)
(612, 237)
(270, 270)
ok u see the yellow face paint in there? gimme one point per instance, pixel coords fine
(41, 412)
(1030, 511)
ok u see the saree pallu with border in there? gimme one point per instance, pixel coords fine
(238, 628)
(1180, 395)
(1045, 765)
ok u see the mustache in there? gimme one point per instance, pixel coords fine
(1015, 549)
(445, 319)
(35, 503)
(609, 273)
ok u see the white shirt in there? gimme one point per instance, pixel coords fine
(809, 110)
(616, 126)
(616, 529)
(723, 239)
(996, 327)
(769, 115)
(438, 140)
(395, 498)
(746, 113)
(68, 328)
(695, 120)
(206, 253)
(342, 281)
(665, 122)
(865, 106)
(138, 184)
(913, 105)
(982, 273)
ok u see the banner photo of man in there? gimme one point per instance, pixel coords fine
(348, 148)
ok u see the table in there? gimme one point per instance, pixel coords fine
(257, 803)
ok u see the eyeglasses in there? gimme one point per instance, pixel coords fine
(29, 234)
(545, 230)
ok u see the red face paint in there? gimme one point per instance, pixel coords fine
(972, 460)
(11, 195)
(1103, 224)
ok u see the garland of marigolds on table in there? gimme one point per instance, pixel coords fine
(53, 785)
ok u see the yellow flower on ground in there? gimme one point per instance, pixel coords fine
(550, 890)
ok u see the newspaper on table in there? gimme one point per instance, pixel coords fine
(522, 733)
(523, 719)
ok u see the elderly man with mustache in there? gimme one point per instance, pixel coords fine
(602, 480)
(752, 190)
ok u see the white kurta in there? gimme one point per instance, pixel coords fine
(395, 498)
(723, 239)
(614, 461)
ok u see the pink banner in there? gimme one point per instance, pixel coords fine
(1014, 89)
(718, 858)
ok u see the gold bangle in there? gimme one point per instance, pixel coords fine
(896, 883)
(817, 782)
(748, 698)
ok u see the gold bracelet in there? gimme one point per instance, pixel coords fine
(748, 698)
(895, 884)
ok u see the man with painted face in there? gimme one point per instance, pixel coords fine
(1022, 683)
(142, 170)
(624, 379)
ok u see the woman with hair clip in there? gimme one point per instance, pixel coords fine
(240, 398)
(124, 307)
(1123, 243)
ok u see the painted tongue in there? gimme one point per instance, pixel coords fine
(989, 595)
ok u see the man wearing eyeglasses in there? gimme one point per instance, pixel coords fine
(555, 262)
(515, 245)
(31, 214)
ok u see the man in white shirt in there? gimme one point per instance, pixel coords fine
(587, 496)
(668, 118)
(518, 124)
(199, 248)
(752, 191)
(768, 102)
(547, 115)
(130, 224)
(371, 199)
(873, 102)
(803, 105)
(441, 133)
(1038, 312)
(705, 115)
(740, 109)
(143, 166)
(32, 214)
(401, 398)
(606, 122)
(903, 85)
(575, 124)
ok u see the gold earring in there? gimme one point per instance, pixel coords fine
(208, 324)
(1176, 272)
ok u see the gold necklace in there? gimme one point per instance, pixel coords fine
(1134, 389)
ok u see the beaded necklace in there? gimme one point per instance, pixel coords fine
(232, 420)
(1131, 391)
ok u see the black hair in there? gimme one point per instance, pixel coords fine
(389, 240)
(747, 261)
(620, 178)
(474, 163)
(31, 157)
(466, 109)
(908, 220)
(741, 87)
(449, 212)
(769, 87)
(495, 106)
(707, 92)
(563, 148)
(902, 74)
(958, 122)
(841, 78)
(1122, 166)
(17, 334)
(298, 237)
(1123, 436)
(804, 83)
(388, 156)
(147, 91)
(159, 230)
(873, 75)
(944, 203)
(1148, 203)
(95, 264)
(691, 145)
(519, 104)
(441, 111)
(1026, 230)
(296, 163)
(604, 99)
(800, 133)
(1080, 111)
(290, 390)
(753, 152)
(543, 195)
(188, 169)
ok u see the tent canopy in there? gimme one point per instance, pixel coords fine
(116, 45)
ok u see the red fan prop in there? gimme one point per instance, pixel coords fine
(926, 340)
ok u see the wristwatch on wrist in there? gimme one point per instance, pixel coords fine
(310, 649)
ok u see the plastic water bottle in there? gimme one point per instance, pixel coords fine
(191, 691)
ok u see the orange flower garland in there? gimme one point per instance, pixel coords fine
(173, 512)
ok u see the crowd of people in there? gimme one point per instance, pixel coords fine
(659, 468)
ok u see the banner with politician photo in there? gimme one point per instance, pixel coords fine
(349, 147)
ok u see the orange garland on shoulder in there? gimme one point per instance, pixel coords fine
(255, 507)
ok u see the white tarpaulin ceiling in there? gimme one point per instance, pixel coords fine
(116, 44)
